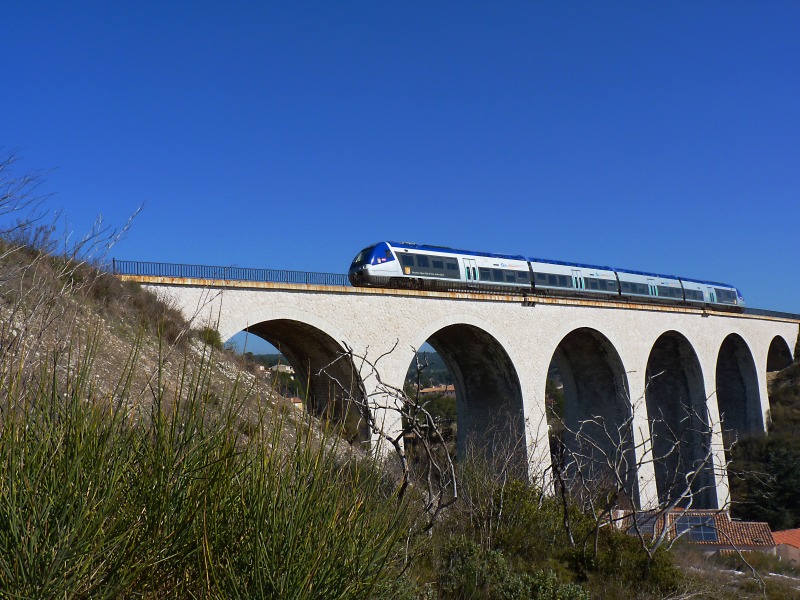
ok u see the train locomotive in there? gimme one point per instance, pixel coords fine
(417, 266)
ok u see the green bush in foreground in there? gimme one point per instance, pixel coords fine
(468, 571)
(95, 503)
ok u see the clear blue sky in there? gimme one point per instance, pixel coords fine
(655, 136)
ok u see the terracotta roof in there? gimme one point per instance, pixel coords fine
(709, 527)
(438, 389)
(743, 533)
(790, 537)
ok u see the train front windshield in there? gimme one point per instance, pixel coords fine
(363, 257)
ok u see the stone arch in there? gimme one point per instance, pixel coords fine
(489, 399)
(679, 423)
(321, 363)
(595, 426)
(779, 355)
(738, 396)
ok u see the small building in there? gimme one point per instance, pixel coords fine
(713, 530)
(448, 391)
(279, 368)
(788, 545)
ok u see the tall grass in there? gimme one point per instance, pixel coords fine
(101, 501)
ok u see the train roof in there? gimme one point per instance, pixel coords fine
(691, 279)
(427, 247)
(717, 283)
(455, 250)
(567, 263)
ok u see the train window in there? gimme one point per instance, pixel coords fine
(666, 292)
(694, 295)
(407, 260)
(422, 261)
(511, 277)
(541, 278)
(552, 279)
(438, 263)
(497, 275)
(564, 281)
(639, 289)
(592, 284)
(452, 269)
(363, 256)
(523, 277)
(725, 296)
(486, 275)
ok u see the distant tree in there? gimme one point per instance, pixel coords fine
(766, 480)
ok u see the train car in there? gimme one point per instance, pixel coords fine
(554, 277)
(402, 264)
(712, 293)
(649, 286)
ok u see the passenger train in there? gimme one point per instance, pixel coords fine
(405, 265)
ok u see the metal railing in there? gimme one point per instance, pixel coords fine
(158, 269)
(772, 313)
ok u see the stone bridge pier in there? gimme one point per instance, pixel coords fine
(663, 387)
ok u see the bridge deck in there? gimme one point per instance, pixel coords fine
(525, 299)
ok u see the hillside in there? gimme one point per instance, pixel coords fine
(769, 466)
(60, 313)
(784, 394)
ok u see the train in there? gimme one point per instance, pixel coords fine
(420, 266)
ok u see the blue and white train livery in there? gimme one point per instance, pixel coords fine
(405, 265)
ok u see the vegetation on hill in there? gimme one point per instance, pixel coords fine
(140, 460)
(767, 489)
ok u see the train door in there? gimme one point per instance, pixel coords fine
(577, 280)
(470, 270)
(712, 296)
(651, 284)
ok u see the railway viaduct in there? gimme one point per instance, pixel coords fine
(677, 374)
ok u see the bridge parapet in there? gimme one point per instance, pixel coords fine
(230, 273)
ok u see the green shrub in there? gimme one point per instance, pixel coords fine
(530, 527)
(177, 503)
(211, 337)
(540, 586)
(621, 560)
(465, 570)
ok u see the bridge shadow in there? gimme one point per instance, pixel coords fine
(779, 355)
(590, 420)
(679, 423)
(738, 395)
(478, 399)
(324, 370)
